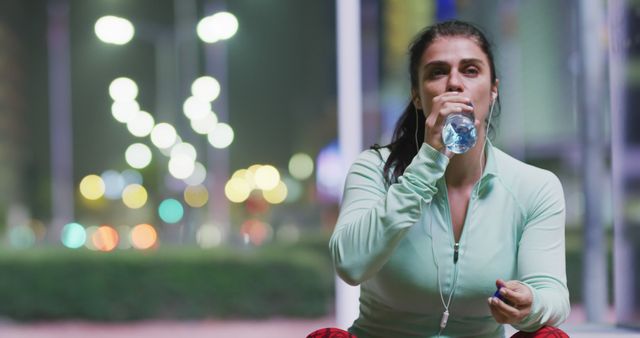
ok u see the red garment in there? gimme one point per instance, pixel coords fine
(330, 332)
(543, 332)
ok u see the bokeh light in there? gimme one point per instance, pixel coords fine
(134, 196)
(209, 236)
(184, 148)
(195, 108)
(226, 24)
(113, 184)
(170, 211)
(105, 238)
(114, 30)
(205, 124)
(124, 110)
(123, 89)
(276, 195)
(73, 235)
(221, 136)
(247, 175)
(254, 168)
(267, 177)
(205, 88)
(237, 190)
(143, 236)
(181, 166)
(138, 155)
(206, 30)
(92, 187)
(220, 26)
(301, 166)
(21, 237)
(196, 196)
(131, 176)
(330, 169)
(141, 124)
(256, 231)
(198, 176)
(163, 135)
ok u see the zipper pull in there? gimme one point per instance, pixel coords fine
(455, 252)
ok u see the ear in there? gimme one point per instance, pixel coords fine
(415, 99)
(494, 91)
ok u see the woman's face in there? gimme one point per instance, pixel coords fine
(455, 64)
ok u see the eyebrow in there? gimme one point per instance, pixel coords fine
(463, 61)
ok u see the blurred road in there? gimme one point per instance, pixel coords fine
(271, 328)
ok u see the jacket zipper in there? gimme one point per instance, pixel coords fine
(456, 246)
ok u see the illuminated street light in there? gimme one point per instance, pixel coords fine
(123, 89)
(205, 88)
(184, 148)
(122, 111)
(220, 26)
(141, 124)
(138, 155)
(92, 187)
(115, 30)
(205, 124)
(181, 166)
(301, 166)
(195, 108)
(221, 136)
(163, 135)
(198, 175)
(267, 177)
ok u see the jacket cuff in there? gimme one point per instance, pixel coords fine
(531, 322)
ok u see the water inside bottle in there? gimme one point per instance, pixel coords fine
(459, 133)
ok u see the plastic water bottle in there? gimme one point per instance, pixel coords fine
(459, 133)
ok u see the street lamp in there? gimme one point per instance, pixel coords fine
(114, 30)
(219, 26)
(198, 108)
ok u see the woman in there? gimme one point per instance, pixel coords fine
(429, 234)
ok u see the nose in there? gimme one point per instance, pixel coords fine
(454, 83)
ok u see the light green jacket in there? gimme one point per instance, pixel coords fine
(395, 240)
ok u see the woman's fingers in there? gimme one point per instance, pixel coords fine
(443, 105)
(516, 304)
(498, 314)
(517, 294)
(437, 119)
(504, 313)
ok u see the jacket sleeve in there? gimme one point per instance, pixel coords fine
(541, 257)
(372, 219)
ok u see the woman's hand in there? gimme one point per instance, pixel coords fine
(443, 105)
(518, 302)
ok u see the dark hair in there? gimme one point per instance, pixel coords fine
(403, 145)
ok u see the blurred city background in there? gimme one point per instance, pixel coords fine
(184, 159)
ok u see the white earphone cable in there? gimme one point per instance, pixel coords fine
(486, 136)
(445, 314)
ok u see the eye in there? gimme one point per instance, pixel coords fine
(472, 70)
(437, 72)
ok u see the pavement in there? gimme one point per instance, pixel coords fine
(271, 328)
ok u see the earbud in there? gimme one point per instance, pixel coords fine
(494, 96)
